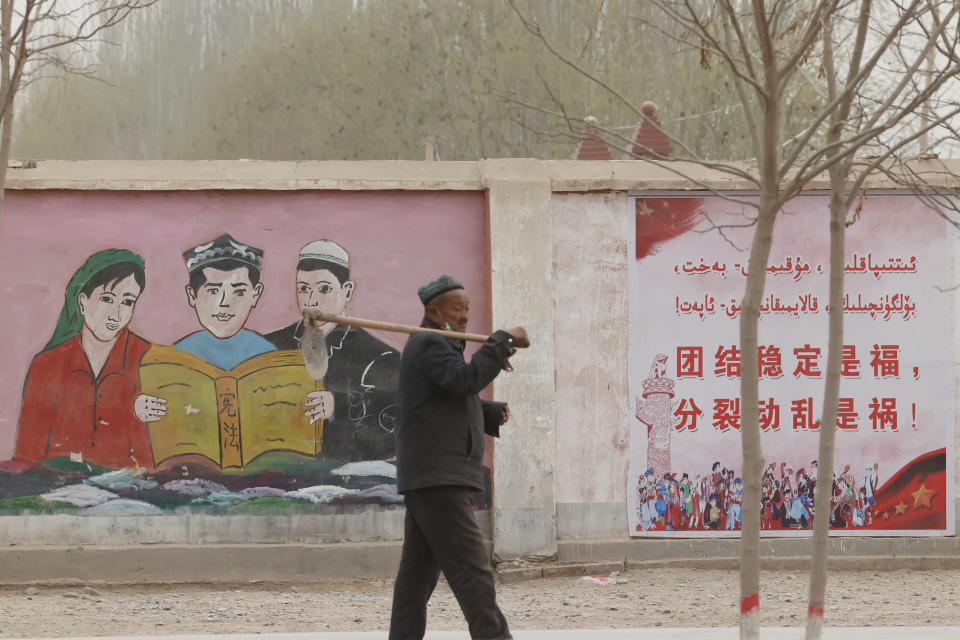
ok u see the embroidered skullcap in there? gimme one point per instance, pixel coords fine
(222, 249)
(439, 286)
(326, 251)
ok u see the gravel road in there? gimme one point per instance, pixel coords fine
(655, 597)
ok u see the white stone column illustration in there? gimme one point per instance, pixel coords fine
(655, 409)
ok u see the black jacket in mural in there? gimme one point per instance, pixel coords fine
(442, 419)
(362, 376)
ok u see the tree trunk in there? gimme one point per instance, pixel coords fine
(6, 94)
(6, 130)
(768, 157)
(823, 495)
(749, 421)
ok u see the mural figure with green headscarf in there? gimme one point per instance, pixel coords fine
(81, 389)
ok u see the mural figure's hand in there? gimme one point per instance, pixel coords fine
(505, 414)
(321, 405)
(149, 408)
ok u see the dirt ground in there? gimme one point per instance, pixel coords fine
(660, 597)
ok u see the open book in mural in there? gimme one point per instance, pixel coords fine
(230, 417)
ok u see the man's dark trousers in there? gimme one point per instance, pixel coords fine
(441, 533)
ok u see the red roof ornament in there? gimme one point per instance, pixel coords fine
(591, 147)
(649, 139)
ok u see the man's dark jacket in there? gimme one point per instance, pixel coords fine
(442, 419)
(362, 375)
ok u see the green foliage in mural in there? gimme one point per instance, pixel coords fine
(66, 465)
(293, 464)
(271, 506)
(34, 505)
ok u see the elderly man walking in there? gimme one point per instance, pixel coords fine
(440, 438)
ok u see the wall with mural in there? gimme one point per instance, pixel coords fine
(245, 432)
(151, 354)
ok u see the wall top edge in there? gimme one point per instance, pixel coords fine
(203, 175)
(406, 175)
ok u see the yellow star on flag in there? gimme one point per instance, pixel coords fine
(901, 508)
(644, 209)
(922, 496)
(885, 515)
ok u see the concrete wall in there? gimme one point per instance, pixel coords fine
(591, 323)
(558, 265)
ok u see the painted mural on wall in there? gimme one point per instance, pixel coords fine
(893, 472)
(165, 387)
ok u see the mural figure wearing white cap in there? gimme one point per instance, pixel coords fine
(363, 371)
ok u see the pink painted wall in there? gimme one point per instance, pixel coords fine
(397, 241)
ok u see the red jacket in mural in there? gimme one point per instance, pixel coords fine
(66, 410)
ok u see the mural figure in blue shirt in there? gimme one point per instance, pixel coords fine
(224, 288)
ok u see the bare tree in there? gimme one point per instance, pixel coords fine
(877, 115)
(863, 125)
(37, 36)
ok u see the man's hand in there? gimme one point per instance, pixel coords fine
(321, 405)
(520, 339)
(505, 414)
(149, 408)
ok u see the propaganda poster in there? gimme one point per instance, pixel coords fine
(893, 467)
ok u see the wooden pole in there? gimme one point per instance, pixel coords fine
(320, 316)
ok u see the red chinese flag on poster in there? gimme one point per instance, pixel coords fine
(915, 498)
(660, 219)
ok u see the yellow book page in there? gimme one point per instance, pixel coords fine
(279, 358)
(273, 388)
(184, 381)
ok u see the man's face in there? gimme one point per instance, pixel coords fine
(224, 301)
(453, 308)
(321, 291)
(109, 308)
